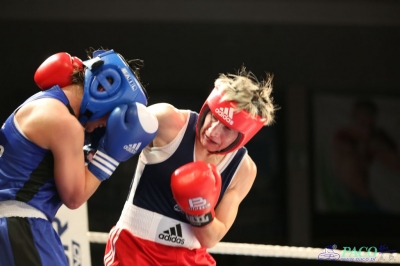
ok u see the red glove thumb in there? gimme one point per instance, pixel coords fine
(57, 70)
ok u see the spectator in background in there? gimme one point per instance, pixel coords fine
(356, 147)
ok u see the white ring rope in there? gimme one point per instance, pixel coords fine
(270, 251)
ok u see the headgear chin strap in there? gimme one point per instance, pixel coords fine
(225, 112)
(109, 82)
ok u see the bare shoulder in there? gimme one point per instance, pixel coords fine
(165, 111)
(244, 177)
(48, 121)
(248, 168)
(170, 122)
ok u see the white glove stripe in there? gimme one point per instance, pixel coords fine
(106, 157)
(102, 168)
(104, 163)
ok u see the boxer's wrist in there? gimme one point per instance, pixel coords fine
(200, 220)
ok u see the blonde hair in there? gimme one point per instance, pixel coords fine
(250, 94)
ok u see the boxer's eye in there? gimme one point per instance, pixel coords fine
(110, 80)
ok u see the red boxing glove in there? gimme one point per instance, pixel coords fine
(196, 188)
(57, 70)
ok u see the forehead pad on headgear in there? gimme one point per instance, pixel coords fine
(109, 82)
(226, 113)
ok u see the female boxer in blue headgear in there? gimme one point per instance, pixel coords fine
(42, 164)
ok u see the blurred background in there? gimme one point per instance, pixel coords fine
(328, 169)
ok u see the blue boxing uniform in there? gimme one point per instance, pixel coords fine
(29, 199)
(107, 88)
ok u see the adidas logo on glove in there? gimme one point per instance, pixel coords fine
(132, 148)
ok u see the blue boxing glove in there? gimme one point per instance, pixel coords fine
(129, 129)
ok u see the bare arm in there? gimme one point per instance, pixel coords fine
(49, 124)
(75, 183)
(170, 122)
(226, 212)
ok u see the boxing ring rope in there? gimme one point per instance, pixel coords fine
(260, 250)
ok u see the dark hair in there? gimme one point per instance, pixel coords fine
(134, 64)
(78, 77)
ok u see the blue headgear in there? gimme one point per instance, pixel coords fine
(109, 82)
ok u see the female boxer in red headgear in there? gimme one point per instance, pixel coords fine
(190, 181)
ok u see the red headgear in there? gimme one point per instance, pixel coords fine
(225, 112)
